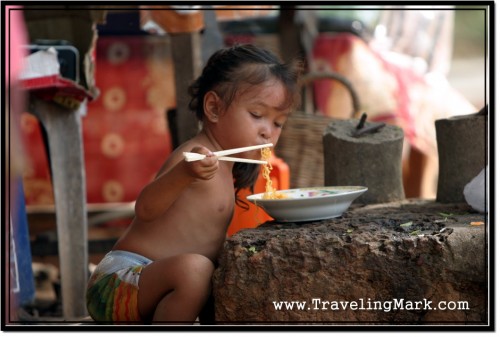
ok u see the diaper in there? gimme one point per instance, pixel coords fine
(113, 287)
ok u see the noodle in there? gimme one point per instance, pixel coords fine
(271, 192)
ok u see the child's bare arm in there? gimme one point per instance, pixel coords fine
(160, 194)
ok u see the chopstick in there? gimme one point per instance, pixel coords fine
(190, 156)
(242, 149)
(243, 160)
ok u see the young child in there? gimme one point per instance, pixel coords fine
(160, 270)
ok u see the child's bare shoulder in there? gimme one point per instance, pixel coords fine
(177, 154)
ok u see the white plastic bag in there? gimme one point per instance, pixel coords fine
(475, 191)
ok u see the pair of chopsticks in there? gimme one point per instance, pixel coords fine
(222, 155)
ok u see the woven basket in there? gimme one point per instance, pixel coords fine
(301, 141)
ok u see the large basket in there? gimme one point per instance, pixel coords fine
(301, 141)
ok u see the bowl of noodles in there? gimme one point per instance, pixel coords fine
(307, 204)
(303, 204)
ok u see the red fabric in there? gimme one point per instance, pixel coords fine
(15, 42)
(392, 87)
(125, 132)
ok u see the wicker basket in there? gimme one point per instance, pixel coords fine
(301, 141)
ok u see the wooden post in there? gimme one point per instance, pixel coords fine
(289, 34)
(186, 55)
(64, 133)
(212, 39)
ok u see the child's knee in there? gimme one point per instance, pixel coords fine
(198, 270)
(201, 264)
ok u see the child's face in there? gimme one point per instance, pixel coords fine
(254, 117)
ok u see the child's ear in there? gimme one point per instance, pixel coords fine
(212, 106)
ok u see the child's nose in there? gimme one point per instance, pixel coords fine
(265, 132)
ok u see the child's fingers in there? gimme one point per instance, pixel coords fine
(205, 172)
(202, 150)
(209, 160)
(208, 166)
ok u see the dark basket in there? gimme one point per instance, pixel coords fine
(301, 141)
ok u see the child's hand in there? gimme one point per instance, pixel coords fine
(206, 168)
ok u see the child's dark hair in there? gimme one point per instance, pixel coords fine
(227, 71)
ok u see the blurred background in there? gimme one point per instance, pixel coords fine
(404, 65)
(125, 128)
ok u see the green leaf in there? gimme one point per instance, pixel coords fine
(406, 224)
(446, 214)
(415, 232)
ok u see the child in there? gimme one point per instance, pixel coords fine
(160, 270)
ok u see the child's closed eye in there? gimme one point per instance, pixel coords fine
(255, 114)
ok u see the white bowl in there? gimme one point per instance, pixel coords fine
(308, 204)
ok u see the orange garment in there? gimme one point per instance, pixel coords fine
(254, 215)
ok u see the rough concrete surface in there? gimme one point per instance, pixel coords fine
(372, 160)
(401, 255)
